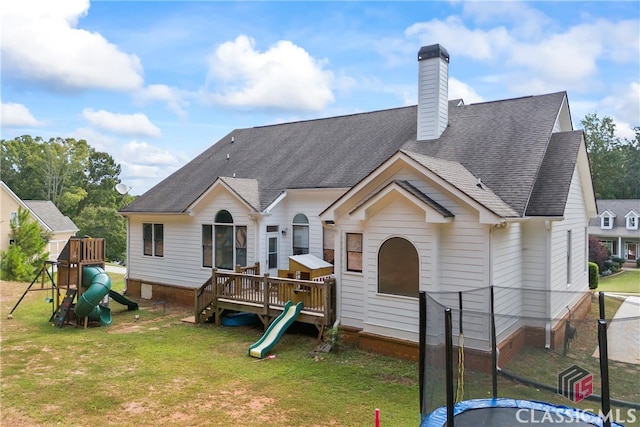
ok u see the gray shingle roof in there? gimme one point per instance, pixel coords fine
(324, 153)
(551, 189)
(619, 208)
(50, 215)
(502, 142)
(456, 174)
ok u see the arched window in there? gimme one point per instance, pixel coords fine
(300, 234)
(398, 268)
(230, 242)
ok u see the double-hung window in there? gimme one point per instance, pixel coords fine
(354, 252)
(153, 239)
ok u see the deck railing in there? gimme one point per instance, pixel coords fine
(264, 295)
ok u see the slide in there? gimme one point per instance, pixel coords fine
(275, 330)
(98, 284)
(121, 299)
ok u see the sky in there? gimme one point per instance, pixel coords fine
(155, 83)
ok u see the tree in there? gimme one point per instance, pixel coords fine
(615, 163)
(75, 177)
(26, 255)
(105, 222)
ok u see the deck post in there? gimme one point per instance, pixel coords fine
(265, 307)
(214, 285)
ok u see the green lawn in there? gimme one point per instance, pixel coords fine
(160, 371)
(628, 281)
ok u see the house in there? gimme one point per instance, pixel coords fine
(438, 196)
(616, 227)
(60, 227)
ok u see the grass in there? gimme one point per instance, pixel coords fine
(626, 282)
(160, 371)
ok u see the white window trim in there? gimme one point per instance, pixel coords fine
(602, 219)
(635, 217)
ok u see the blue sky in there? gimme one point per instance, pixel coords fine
(156, 83)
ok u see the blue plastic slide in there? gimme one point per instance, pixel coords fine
(98, 284)
(275, 330)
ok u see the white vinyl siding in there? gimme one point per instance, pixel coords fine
(535, 270)
(575, 220)
(181, 264)
(507, 264)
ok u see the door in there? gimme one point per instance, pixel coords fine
(631, 249)
(272, 253)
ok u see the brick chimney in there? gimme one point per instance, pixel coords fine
(433, 91)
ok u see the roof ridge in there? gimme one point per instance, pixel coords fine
(363, 113)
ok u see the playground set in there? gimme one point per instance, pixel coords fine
(81, 274)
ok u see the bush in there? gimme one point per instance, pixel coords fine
(597, 253)
(638, 263)
(594, 271)
(617, 259)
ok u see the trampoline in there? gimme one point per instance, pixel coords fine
(511, 412)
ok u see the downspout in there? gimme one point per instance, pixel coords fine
(126, 283)
(548, 224)
(497, 350)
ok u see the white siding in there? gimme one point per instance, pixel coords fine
(396, 315)
(310, 203)
(181, 264)
(575, 219)
(507, 267)
(535, 273)
(453, 257)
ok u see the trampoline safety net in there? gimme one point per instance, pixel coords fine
(530, 345)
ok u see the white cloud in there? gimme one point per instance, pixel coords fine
(458, 89)
(285, 77)
(144, 154)
(625, 105)
(456, 37)
(13, 114)
(540, 57)
(125, 124)
(144, 165)
(41, 43)
(173, 97)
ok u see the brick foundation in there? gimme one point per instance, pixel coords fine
(161, 292)
(475, 360)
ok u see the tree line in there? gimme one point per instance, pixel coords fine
(81, 180)
(77, 178)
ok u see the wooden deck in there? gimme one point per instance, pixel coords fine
(245, 291)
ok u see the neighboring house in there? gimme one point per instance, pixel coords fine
(617, 228)
(452, 196)
(44, 212)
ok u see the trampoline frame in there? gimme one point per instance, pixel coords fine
(439, 416)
